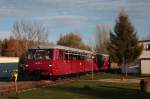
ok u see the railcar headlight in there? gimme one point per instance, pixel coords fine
(26, 65)
(49, 65)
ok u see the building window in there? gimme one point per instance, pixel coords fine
(147, 47)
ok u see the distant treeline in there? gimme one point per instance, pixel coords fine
(15, 48)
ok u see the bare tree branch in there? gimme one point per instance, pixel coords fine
(102, 38)
(30, 31)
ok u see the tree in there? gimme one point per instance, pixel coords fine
(30, 31)
(102, 39)
(124, 47)
(72, 40)
(11, 47)
(1, 47)
(4, 47)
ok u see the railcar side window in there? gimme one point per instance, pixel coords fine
(82, 57)
(94, 59)
(57, 54)
(74, 57)
(79, 56)
(61, 54)
(66, 55)
(50, 54)
(88, 56)
(70, 55)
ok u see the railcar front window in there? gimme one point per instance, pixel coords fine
(40, 54)
(30, 55)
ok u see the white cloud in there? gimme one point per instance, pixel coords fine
(74, 14)
(66, 21)
(46, 8)
(5, 34)
(63, 17)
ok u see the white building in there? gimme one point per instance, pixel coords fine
(145, 57)
(142, 65)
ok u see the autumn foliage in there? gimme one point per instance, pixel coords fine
(24, 35)
(72, 40)
(15, 48)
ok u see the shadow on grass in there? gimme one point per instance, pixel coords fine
(13, 97)
(106, 92)
(5, 79)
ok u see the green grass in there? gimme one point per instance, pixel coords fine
(85, 90)
(5, 79)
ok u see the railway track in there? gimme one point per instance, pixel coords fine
(9, 87)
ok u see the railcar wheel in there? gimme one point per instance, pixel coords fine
(37, 75)
(53, 78)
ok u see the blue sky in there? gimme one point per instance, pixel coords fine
(80, 16)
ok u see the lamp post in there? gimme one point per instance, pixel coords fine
(14, 76)
(92, 68)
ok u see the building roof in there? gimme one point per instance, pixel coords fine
(144, 41)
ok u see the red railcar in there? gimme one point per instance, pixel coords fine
(59, 60)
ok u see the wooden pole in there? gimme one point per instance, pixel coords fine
(16, 87)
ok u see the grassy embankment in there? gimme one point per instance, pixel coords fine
(87, 90)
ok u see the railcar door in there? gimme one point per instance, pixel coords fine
(56, 68)
(75, 63)
(88, 62)
(67, 65)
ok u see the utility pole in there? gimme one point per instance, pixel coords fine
(92, 68)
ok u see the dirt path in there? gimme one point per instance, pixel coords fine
(121, 80)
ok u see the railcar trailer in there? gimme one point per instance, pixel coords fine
(58, 60)
(103, 62)
(7, 65)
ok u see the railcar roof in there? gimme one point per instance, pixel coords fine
(102, 54)
(9, 59)
(60, 47)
